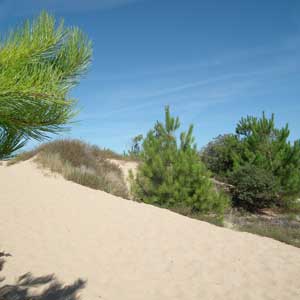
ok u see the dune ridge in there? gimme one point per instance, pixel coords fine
(128, 250)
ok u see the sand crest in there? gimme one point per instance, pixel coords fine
(128, 250)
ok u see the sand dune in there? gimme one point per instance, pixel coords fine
(133, 251)
(126, 167)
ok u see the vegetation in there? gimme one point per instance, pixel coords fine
(136, 147)
(255, 188)
(258, 147)
(284, 228)
(40, 62)
(171, 174)
(82, 163)
(218, 155)
(285, 234)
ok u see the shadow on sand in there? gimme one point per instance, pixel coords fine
(48, 287)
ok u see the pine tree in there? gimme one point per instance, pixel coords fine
(39, 63)
(171, 173)
(259, 160)
(268, 148)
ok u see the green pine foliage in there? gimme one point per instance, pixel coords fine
(171, 174)
(39, 63)
(268, 148)
(258, 145)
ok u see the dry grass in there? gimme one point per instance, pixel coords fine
(282, 227)
(186, 211)
(80, 162)
(285, 234)
(22, 157)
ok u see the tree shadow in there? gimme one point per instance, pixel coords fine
(45, 287)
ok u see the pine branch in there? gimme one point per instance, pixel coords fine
(39, 63)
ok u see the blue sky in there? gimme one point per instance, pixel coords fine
(212, 61)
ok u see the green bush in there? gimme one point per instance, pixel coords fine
(171, 173)
(257, 142)
(218, 155)
(255, 188)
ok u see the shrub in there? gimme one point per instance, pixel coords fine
(259, 143)
(172, 175)
(135, 149)
(218, 155)
(82, 163)
(255, 188)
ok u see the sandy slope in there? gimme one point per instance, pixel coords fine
(133, 251)
(126, 167)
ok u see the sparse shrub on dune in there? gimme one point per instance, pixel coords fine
(284, 228)
(136, 146)
(82, 163)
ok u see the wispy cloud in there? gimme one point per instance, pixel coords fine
(195, 84)
(158, 70)
(143, 93)
(283, 49)
(213, 91)
(192, 95)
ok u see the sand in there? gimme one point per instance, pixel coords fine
(126, 167)
(127, 251)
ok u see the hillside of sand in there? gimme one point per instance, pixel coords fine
(127, 250)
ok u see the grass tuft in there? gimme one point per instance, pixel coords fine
(81, 163)
(282, 227)
(285, 234)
